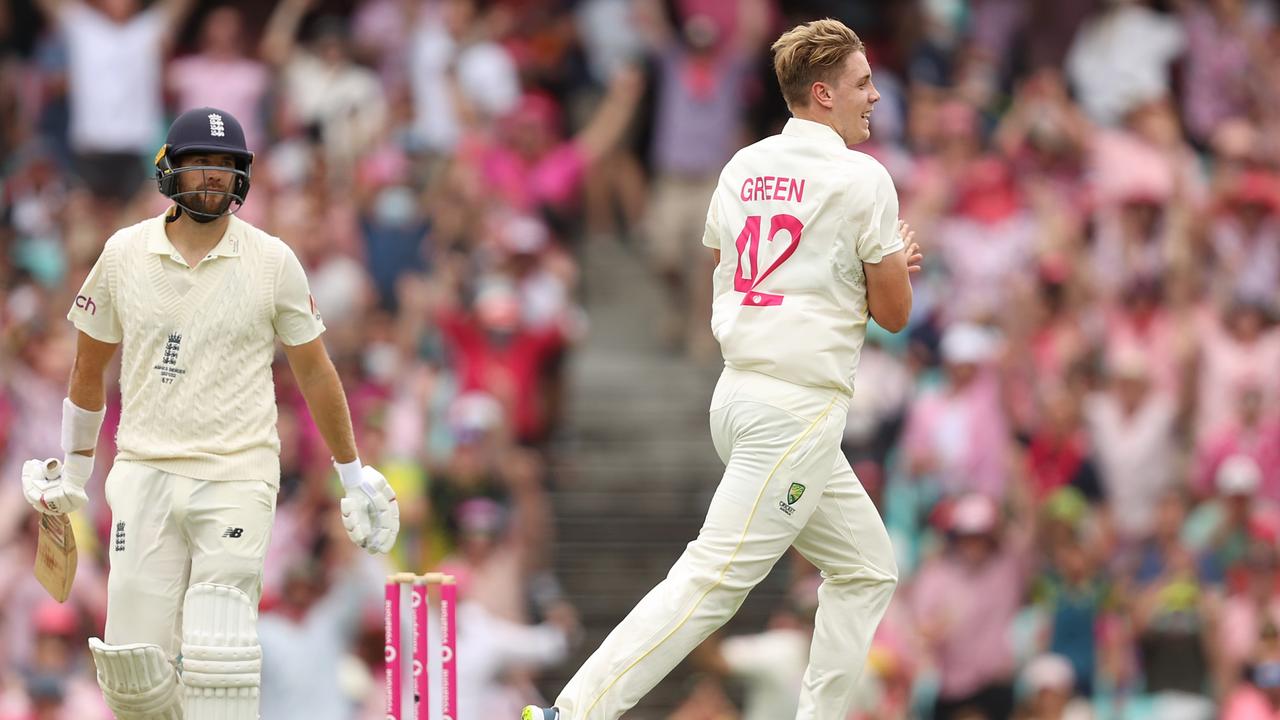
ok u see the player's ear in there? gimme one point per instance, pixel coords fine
(820, 92)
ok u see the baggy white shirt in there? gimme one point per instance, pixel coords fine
(790, 297)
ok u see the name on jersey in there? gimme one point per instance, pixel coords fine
(771, 187)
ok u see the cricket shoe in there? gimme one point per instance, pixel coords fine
(533, 712)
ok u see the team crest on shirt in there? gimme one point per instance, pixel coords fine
(168, 367)
(794, 493)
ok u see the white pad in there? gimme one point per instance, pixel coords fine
(221, 657)
(137, 681)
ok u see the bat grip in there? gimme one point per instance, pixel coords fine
(52, 469)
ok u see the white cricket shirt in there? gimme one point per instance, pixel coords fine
(197, 344)
(794, 217)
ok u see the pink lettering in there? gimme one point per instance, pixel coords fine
(768, 187)
(797, 191)
(759, 191)
(86, 303)
(780, 191)
(746, 190)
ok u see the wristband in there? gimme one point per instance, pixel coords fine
(80, 427)
(351, 474)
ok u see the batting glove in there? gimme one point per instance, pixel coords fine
(55, 489)
(370, 513)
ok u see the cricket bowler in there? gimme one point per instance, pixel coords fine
(808, 247)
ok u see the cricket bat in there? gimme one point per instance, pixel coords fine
(56, 547)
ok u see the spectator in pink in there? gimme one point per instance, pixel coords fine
(528, 167)
(1254, 432)
(222, 75)
(964, 602)
(1239, 349)
(1141, 325)
(956, 435)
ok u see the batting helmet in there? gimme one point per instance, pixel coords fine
(204, 130)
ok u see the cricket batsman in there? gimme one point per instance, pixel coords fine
(808, 247)
(197, 298)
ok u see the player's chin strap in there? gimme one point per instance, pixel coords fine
(138, 681)
(221, 657)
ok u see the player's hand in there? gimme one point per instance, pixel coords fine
(914, 256)
(370, 513)
(55, 488)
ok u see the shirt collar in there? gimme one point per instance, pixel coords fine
(815, 131)
(228, 246)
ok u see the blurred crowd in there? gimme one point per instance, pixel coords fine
(1075, 444)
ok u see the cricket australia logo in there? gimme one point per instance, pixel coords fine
(168, 367)
(794, 493)
(216, 128)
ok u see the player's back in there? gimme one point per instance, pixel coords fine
(794, 216)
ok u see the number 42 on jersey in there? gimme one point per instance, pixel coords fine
(749, 277)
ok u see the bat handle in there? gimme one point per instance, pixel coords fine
(52, 469)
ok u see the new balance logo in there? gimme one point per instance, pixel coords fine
(120, 537)
(233, 532)
(216, 128)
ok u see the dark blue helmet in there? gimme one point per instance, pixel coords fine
(204, 130)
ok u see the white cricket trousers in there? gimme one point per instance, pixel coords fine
(169, 532)
(786, 483)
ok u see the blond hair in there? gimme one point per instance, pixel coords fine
(809, 53)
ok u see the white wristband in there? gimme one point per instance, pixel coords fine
(351, 474)
(80, 427)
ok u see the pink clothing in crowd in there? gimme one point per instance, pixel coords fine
(237, 86)
(1261, 443)
(1248, 703)
(553, 179)
(970, 611)
(1241, 625)
(965, 434)
(1228, 366)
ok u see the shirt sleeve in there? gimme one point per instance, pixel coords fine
(880, 237)
(711, 232)
(297, 320)
(93, 312)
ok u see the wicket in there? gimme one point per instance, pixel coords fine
(420, 586)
